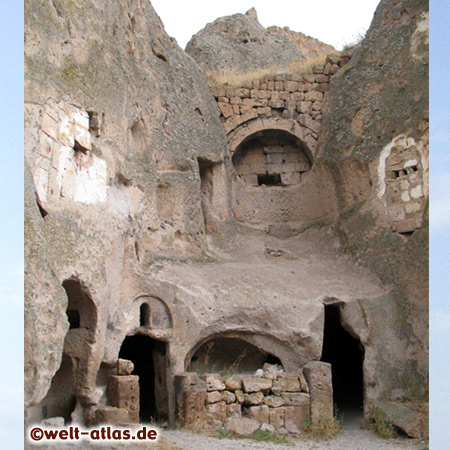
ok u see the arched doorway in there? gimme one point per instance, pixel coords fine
(150, 364)
(346, 356)
(271, 158)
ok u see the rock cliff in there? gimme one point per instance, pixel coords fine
(164, 217)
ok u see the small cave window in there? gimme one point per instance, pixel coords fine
(144, 316)
(269, 179)
(74, 318)
(43, 212)
(406, 171)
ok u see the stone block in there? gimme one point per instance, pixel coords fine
(263, 111)
(289, 381)
(323, 87)
(276, 104)
(217, 411)
(277, 418)
(235, 101)
(274, 158)
(264, 94)
(228, 397)
(251, 180)
(244, 108)
(256, 385)
(123, 392)
(254, 399)
(234, 409)
(334, 68)
(241, 425)
(242, 93)
(295, 418)
(309, 78)
(411, 422)
(111, 415)
(297, 96)
(191, 398)
(214, 397)
(301, 378)
(313, 96)
(295, 399)
(223, 100)
(322, 78)
(259, 413)
(273, 401)
(233, 384)
(239, 396)
(333, 58)
(124, 367)
(213, 382)
(318, 69)
(279, 86)
(303, 107)
(288, 179)
(226, 109)
(290, 86)
(274, 95)
(318, 376)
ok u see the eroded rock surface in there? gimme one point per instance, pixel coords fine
(241, 44)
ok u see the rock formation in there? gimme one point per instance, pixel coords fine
(309, 46)
(223, 228)
(240, 43)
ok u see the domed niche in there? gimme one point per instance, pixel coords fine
(271, 158)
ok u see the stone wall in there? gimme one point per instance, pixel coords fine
(271, 400)
(272, 127)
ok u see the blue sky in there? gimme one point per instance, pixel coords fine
(440, 225)
(11, 223)
(11, 188)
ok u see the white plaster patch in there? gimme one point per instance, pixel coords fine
(406, 197)
(82, 177)
(417, 192)
(410, 163)
(381, 188)
(420, 39)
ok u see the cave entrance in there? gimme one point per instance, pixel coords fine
(346, 355)
(150, 364)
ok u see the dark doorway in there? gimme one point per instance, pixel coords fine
(346, 356)
(149, 358)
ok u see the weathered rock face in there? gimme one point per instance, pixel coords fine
(129, 167)
(111, 103)
(240, 43)
(377, 113)
(308, 45)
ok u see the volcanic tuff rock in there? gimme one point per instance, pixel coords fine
(112, 61)
(240, 43)
(309, 46)
(128, 169)
(378, 105)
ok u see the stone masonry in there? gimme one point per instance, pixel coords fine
(271, 399)
(297, 97)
